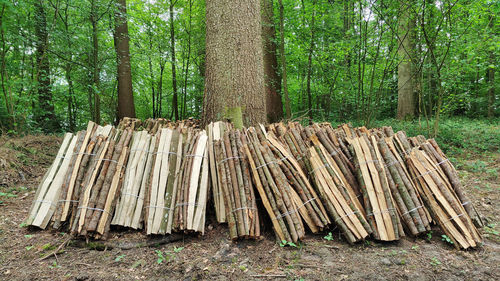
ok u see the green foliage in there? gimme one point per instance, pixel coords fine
(435, 261)
(353, 69)
(446, 239)
(456, 135)
(329, 237)
(284, 243)
(119, 258)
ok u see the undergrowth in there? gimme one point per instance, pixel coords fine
(457, 135)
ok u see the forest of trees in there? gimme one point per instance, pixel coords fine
(64, 62)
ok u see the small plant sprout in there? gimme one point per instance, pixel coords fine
(435, 261)
(329, 237)
(284, 243)
(119, 258)
(161, 257)
(446, 239)
(429, 236)
(178, 250)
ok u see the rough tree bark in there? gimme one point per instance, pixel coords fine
(234, 77)
(44, 113)
(406, 94)
(272, 79)
(95, 104)
(126, 106)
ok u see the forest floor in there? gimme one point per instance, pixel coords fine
(24, 160)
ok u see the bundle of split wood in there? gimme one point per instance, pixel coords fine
(78, 191)
(438, 185)
(156, 175)
(235, 185)
(166, 182)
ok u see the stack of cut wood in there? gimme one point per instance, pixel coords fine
(129, 209)
(47, 194)
(432, 149)
(287, 199)
(341, 199)
(156, 175)
(215, 132)
(100, 184)
(235, 185)
(309, 203)
(177, 191)
(428, 169)
(81, 195)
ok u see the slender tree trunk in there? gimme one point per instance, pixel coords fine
(126, 106)
(234, 79)
(3, 73)
(44, 113)
(96, 102)
(186, 70)
(274, 106)
(160, 91)
(288, 110)
(309, 64)
(175, 105)
(70, 99)
(406, 94)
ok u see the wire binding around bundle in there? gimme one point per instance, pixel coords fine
(393, 163)
(295, 210)
(72, 201)
(412, 210)
(46, 202)
(229, 158)
(369, 161)
(318, 168)
(455, 217)
(94, 209)
(186, 204)
(133, 195)
(380, 212)
(272, 162)
(243, 208)
(109, 160)
(157, 207)
(430, 171)
(166, 152)
(346, 215)
(194, 155)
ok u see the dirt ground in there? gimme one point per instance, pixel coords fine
(24, 160)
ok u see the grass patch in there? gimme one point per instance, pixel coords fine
(457, 135)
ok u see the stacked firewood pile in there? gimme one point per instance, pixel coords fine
(160, 176)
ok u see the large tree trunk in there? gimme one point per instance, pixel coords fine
(234, 77)
(288, 110)
(44, 113)
(274, 106)
(175, 103)
(94, 93)
(406, 94)
(126, 106)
